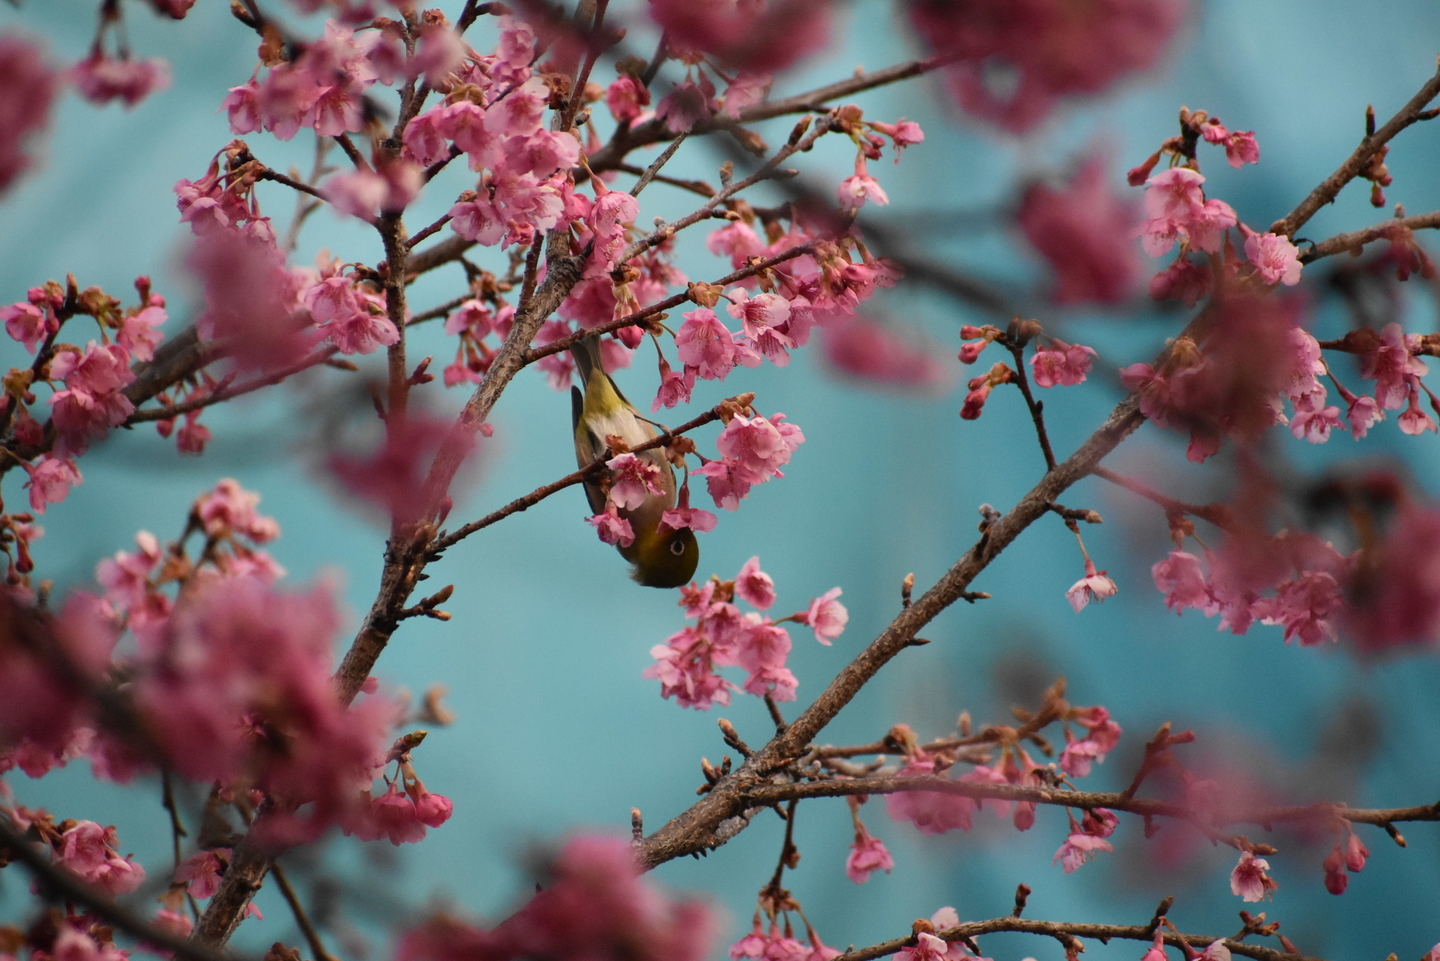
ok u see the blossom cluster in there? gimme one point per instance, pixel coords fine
(723, 636)
(230, 683)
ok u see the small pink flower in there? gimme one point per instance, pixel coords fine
(88, 851)
(705, 344)
(695, 518)
(1079, 848)
(202, 871)
(1241, 148)
(1249, 881)
(1275, 258)
(612, 528)
(50, 481)
(867, 855)
(433, 810)
(1094, 586)
(860, 187)
(1061, 364)
(827, 617)
(100, 79)
(754, 585)
(627, 98)
(633, 481)
(1363, 414)
(1180, 578)
(28, 324)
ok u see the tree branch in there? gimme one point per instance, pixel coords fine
(1331, 186)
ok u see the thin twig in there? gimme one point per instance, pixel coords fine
(1354, 241)
(652, 171)
(301, 918)
(1036, 408)
(1217, 514)
(250, 386)
(569, 480)
(1331, 186)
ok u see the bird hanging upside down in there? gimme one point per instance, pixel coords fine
(663, 556)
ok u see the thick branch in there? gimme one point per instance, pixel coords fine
(1350, 169)
(769, 793)
(704, 825)
(1101, 932)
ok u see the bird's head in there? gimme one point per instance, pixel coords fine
(667, 559)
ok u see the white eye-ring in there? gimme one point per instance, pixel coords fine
(677, 548)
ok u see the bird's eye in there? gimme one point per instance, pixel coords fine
(677, 548)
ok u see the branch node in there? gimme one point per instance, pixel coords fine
(732, 738)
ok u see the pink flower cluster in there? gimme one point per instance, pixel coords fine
(1083, 230)
(87, 851)
(27, 89)
(875, 352)
(752, 450)
(1050, 49)
(399, 816)
(928, 947)
(723, 636)
(1232, 384)
(1248, 879)
(592, 905)
(780, 944)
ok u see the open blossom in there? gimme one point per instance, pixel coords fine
(1249, 881)
(754, 585)
(101, 79)
(867, 855)
(1094, 586)
(88, 851)
(1079, 848)
(633, 480)
(27, 89)
(826, 616)
(1275, 257)
(50, 481)
(1082, 229)
(1061, 364)
(860, 187)
(705, 344)
(230, 509)
(612, 528)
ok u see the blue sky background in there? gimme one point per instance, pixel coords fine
(558, 732)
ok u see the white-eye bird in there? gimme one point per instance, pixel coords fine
(663, 556)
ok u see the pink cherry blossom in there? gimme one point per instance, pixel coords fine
(1061, 364)
(627, 98)
(685, 667)
(860, 187)
(1183, 280)
(1275, 258)
(612, 528)
(230, 509)
(88, 851)
(695, 518)
(1249, 881)
(705, 344)
(1079, 848)
(1180, 578)
(92, 401)
(826, 616)
(1241, 148)
(50, 481)
(867, 855)
(202, 871)
(879, 353)
(1392, 365)
(1094, 586)
(754, 585)
(633, 481)
(27, 90)
(101, 79)
(1051, 50)
(28, 324)
(1083, 231)
(930, 811)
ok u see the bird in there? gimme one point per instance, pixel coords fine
(662, 556)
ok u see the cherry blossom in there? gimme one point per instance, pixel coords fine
(826, 616)
(101, 79)
(1061, 364)
(867, 855)
(1249, 881)
(1275, 257)
(1094, 586)
(1079, 848)
(1083, 231)
(27, 90)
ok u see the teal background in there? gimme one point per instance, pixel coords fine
(556, 730)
